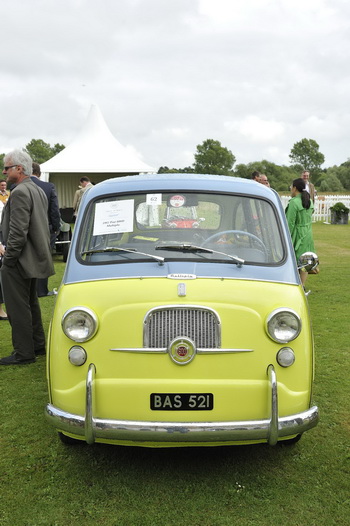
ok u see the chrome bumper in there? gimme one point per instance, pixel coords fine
(269, 430)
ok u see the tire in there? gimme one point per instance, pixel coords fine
(290, 441)
(69, 441)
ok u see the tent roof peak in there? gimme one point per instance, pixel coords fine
(95, 149)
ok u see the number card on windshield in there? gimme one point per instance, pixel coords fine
(113, 217)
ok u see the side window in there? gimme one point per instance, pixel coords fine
(257, 218)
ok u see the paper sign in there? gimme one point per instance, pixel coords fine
(113, 217)
(154, 199)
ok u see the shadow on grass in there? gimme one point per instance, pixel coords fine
(175, 462)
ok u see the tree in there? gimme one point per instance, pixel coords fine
(57, 148)
(243, 170)
(343, 173)
(280, 177)
(306, 155)
(331, 183)
(166, 170)
(40, 151)
(212, 158)
(335, 179)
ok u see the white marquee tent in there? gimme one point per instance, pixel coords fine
(95, 153)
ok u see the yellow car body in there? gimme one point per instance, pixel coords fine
(179, 353)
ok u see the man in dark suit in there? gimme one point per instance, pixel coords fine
(54, 218)
(26, 257)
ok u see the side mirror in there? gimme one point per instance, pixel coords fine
(308, 261)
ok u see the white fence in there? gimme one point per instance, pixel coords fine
(322, 205)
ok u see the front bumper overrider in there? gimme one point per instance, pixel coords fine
(167, 433)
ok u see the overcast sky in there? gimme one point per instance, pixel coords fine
(256, 75)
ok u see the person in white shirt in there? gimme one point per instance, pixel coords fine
(308, 186)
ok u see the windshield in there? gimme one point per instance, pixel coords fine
(180, 226)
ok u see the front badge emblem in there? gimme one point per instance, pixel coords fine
(182, 350)
(181, 289)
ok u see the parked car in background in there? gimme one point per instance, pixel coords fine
(189, 335)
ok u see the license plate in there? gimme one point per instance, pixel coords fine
(182, 401)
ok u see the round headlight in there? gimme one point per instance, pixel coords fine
(79, 324)
(283, 325)
(77, 355)
(285, 357)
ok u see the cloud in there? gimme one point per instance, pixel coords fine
(257, 130)
(258, 75)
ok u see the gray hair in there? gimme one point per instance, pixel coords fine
(19, 157)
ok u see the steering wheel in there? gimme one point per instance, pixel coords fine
(236, 233)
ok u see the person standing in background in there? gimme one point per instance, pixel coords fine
(53, 214)
(54, 218)
(75, 203)
(305, 175)
(256, 176)
(264, 180)
(85, 184)
(4, 194)
(26, 256)
(299, 217)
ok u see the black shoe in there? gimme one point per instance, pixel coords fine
(4, 318)
(40, 352)
(13, 360)
(49, 293)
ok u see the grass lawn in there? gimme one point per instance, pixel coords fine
(43, 482)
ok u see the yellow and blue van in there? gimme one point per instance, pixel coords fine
(184, 332)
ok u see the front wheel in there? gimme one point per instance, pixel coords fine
(290, 441)
(69, 441)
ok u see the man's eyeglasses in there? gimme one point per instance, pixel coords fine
(8, 167)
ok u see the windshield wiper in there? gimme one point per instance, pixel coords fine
(186, 247)
(117, 249)
(183, 247)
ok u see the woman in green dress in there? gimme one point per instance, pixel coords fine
(299, 217)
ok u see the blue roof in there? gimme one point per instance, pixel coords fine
(175, 181)
(286, 272)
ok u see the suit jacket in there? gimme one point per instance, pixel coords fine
(25, 231)
(54, 215)
(80, 196)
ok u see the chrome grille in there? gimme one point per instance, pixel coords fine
(162, 325)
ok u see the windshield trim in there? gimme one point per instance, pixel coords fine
(197, 259)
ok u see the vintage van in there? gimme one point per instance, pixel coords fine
(189, 332)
